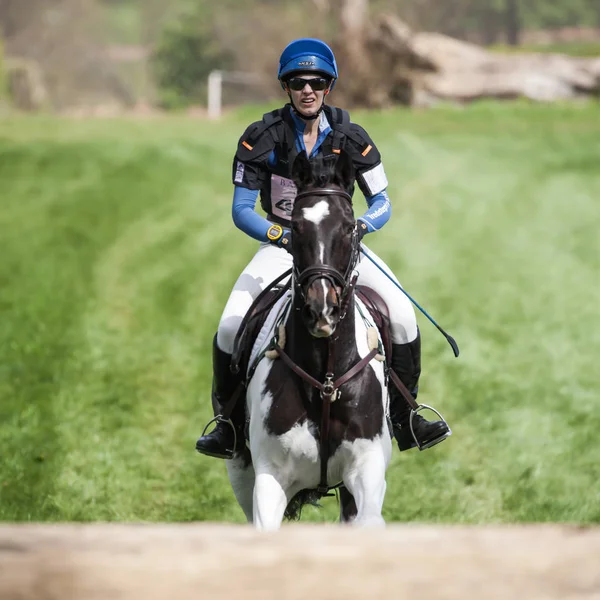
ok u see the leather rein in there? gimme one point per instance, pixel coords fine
(329, 389)
(329, 393)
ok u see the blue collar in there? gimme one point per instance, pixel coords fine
(324, 131)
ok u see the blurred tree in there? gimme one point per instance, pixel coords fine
(153, 14)
(57, 54)
(560, 13)
(513, 24)
(353, 15)
(487, 20)
(3, 88)
(350, 45)
(17, 14)
(185, 55)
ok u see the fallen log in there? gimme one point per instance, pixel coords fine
(191, 562)
(431, 67)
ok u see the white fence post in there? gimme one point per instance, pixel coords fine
(215, 87)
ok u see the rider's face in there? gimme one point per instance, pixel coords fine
(306, 100)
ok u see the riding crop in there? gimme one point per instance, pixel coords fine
(448, 337)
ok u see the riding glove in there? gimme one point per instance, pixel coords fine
(362, 229)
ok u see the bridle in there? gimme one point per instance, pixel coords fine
(345, 281)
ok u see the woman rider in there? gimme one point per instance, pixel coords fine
(262, 164)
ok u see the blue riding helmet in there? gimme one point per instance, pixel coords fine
(307, 54)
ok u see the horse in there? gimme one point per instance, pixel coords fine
(317, 403)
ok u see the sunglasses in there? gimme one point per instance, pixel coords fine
(318, 84)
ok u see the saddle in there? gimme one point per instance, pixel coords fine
(380, 314)
(252, 323)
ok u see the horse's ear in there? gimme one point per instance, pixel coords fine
(344, 170)
(302, 171)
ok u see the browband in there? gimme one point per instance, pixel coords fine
(325, 192)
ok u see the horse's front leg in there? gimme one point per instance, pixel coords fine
(365, 480)
(270, 502)
(348, 508)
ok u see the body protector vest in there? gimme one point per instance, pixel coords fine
(276, 132)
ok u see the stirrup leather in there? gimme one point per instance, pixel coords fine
(434, 441)
(229, 452)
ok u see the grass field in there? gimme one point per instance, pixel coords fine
(118, 253)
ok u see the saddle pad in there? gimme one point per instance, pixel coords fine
(265, 335)
(363, 314)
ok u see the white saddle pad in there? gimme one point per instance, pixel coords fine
(268, 329)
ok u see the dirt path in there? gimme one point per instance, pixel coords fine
(199, 562)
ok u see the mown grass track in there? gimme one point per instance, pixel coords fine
(118, 253)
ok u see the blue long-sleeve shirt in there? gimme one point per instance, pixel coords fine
(250, 222)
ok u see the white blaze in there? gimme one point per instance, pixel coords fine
(315, 214)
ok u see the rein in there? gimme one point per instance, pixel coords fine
(329, 393)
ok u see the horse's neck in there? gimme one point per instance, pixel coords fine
(312, 353)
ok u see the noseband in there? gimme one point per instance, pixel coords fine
(331, 274)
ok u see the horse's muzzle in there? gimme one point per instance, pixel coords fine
(323, 330)
(320, 322)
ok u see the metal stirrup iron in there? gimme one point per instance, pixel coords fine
(220, 419)
(434, 441)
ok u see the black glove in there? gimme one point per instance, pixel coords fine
(280, 237)
(361, 229)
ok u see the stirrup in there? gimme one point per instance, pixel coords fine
(219, 419)
(434, 441)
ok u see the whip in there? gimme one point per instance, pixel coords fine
(448, 337)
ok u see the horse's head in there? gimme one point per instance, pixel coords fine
(324, 239)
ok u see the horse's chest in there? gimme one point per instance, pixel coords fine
(299, 443)
(356, 414)
(292, 422)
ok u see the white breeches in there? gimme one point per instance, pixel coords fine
(270, 262)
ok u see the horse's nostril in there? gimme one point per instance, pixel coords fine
(310, 314)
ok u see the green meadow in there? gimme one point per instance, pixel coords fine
(117, 254)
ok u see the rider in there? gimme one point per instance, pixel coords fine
(263, 161)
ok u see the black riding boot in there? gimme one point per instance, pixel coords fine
(406, 363)
(221, 441)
